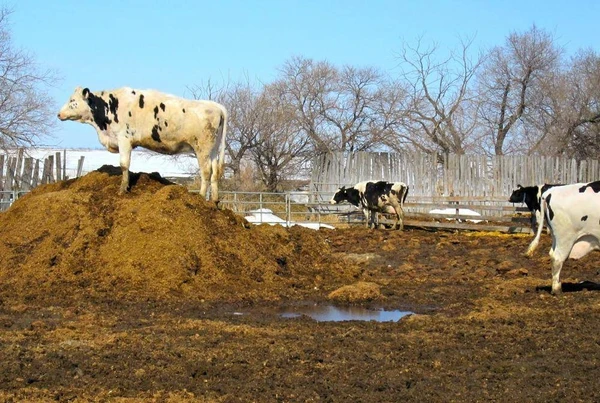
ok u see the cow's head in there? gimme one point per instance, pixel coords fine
(339, 196)
(518, 195)
(77, 108)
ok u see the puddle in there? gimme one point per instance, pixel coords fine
(330, 313)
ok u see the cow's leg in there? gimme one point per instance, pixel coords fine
(401, 218)
(398, 224)
(214, 180)
(559, 252)
(125, 161)
(556, 268)
(204, 165)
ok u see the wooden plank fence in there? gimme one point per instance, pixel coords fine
(20, 173)
(431, 175)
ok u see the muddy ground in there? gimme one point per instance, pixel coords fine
(159, 296)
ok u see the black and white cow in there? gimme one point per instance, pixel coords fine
(375, 197)
(573, 214)
(127, 118)
(531, 195)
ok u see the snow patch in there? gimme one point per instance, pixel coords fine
(266, 216)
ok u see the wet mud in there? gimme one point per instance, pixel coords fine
(160, 296)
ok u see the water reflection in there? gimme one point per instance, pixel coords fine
(330, 313)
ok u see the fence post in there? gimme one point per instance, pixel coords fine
(80, 166)
(36, 174)
(58, 167)
(288, 208)
(1, 172)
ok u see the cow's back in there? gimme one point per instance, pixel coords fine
(167, 123)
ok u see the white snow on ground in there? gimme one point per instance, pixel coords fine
(452, 211)
(266, 216)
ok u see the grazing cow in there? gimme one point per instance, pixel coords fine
(375, 197)
(573, 214)
(530, 195)
(127, 118)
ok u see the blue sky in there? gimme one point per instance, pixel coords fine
(172, 45)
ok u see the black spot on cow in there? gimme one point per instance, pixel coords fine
(113, 105)
(162, 106)
(155, 112)
(166, 124)
(99, 109)
(155, 135)
(129, 113)
(595, 186)
(584, 218)
(550, 211)
(183, 110)
(141, 100)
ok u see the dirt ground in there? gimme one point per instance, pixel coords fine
(159, 296)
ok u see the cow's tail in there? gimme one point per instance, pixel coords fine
(222, 132)
(405, 194)
(536, 240)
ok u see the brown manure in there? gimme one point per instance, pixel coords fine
(80, 238)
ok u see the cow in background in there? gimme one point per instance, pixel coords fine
(573, 214)
(531, 195)
(375, 197)
(127, 118)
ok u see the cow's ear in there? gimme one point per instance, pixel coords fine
(85, 92)
(519, 186)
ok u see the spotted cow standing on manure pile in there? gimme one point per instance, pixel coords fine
(531, 195)
(375, 197)
(573, 214)
(127, 118)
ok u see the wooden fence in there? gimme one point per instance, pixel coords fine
(20, 173)
(430, 176)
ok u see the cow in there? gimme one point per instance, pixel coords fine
(530, 195)
(573, 214)
(375, 197)
(127, 118)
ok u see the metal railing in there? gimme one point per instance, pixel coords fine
(288, 208)
(312, 209)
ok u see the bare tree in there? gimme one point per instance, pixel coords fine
(309, 87)
(511, 88)
(281, 149)
(354, 119)
(442, 113)
(245, 114)
(570, 118)
(338, 109)
(26, 109)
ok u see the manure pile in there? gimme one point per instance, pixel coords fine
(80, 239)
